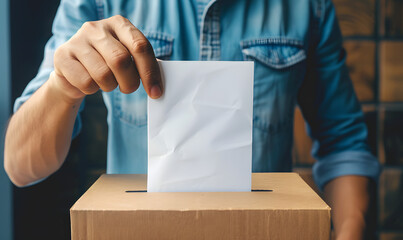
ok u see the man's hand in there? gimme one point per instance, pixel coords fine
(103, 55)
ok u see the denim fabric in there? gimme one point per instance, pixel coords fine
(299, 61)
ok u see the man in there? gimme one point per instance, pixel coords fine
(297, 49)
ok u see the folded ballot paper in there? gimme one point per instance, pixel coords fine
(200, 130)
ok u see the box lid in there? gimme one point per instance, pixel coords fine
(127, 193)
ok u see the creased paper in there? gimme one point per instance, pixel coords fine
(200, 130)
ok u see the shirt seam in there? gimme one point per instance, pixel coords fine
(100, 9)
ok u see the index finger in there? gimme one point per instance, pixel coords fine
(143, 55)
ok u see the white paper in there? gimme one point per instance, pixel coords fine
(200, 130)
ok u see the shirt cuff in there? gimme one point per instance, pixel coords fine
(35, 182)
(359, 163)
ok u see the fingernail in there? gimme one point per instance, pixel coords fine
(155, 91)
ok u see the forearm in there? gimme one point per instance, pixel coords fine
(352, 199)
(39, 135)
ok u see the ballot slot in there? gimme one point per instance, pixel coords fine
(253, 190)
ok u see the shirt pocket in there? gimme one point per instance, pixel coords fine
(162, 44)
(132, 108)
(279, 70)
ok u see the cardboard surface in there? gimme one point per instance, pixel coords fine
(291, 210)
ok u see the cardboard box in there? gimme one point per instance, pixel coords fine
(283, 207)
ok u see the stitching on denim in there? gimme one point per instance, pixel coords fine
(159, 36)
(287, 63)
(201, 5)
(274, 62)
(210, 32)
(100, 9)
(272, 40)
(166, 49)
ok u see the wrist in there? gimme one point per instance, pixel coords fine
(65, 92)
(351, 228)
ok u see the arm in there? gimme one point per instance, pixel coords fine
(352, 199)
(336, 124)
(103, 55)
(39, 135)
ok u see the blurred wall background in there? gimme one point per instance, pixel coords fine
(42, 211)
(5, 186)
(373, 31)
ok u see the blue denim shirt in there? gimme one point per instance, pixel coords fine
(299, 61)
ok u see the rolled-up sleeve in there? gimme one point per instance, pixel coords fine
(331, 109)
(70, 16)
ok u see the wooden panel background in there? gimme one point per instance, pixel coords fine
(373, 33)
